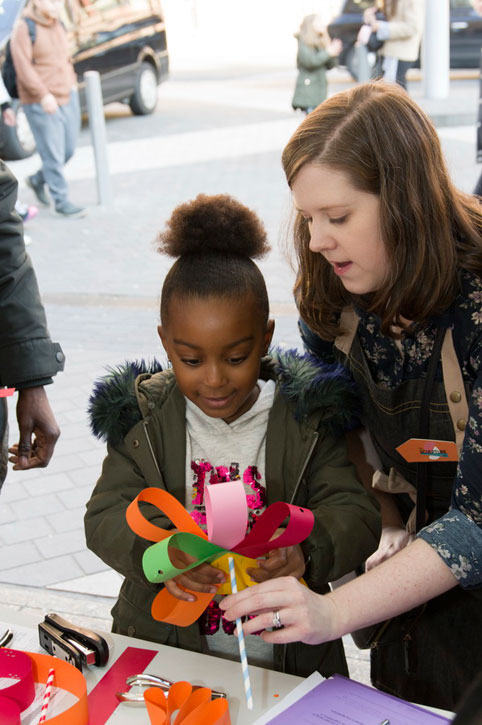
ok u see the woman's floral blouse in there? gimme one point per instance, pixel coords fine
(456, 536)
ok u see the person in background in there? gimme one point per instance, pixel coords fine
(28, 357)
(401, 34)
(389, 284)
(316, 54)
(226, 411)
(47, 87)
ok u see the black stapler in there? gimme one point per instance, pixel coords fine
(73, 644)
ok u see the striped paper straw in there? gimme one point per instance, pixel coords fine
(46, 697)
(241, 643)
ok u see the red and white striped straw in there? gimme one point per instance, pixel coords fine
(46, 697)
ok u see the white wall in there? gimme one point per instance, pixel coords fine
(208, 33)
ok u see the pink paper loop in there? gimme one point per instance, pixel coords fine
(226, 513)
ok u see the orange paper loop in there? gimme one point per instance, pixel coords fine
(170, 506)
(165, 607)
(195, 707)
(67, 677)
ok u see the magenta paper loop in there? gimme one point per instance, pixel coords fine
(226, 513)
(258, 542)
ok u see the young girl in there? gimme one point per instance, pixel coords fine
(224, 411)
(316, 54)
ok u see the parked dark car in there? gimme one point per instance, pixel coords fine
(125, 41)
(465, 33)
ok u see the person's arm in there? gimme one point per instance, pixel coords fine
(409, 21)
(38, 430)
(409, 578)
(28, 357)
(310, 58)
(107, 532)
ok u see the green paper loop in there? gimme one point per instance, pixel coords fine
(157, 565)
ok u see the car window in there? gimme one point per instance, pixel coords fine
(357, 6)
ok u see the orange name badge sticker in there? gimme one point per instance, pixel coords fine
(419, 450)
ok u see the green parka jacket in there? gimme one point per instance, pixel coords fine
(142, 417)
(311, 84)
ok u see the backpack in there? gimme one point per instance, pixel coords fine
(9, 75)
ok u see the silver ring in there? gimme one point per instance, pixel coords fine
(276, 620)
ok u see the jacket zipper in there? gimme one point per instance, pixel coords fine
(295, 493)
(145, 424)
(298, 482)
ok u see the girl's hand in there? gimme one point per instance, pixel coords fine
(393, 539)
(335, 47)
(203, 578)
(288, 561)
(305, 616)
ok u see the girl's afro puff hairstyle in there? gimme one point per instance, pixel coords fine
(217, 223)
(215, 239)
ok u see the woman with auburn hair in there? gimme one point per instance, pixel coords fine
(389, 284)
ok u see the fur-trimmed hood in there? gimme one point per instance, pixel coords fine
(125, 395)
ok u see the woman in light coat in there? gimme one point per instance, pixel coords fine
(401, 32)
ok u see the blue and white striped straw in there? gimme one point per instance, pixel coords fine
(241, 643)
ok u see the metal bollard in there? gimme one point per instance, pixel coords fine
(95, 110)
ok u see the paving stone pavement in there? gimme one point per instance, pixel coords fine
(100, 279)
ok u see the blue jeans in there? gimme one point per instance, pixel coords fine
(56, 137)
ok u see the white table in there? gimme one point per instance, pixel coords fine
(177, 664)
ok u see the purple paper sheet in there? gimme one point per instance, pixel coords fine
(340, 701)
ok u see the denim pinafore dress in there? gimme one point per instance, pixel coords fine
(431, 654)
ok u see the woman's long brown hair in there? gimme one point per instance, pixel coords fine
(379, 137)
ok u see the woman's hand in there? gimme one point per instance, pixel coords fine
(305, 616)
(203, 578)
(287, 561)
(393, 539)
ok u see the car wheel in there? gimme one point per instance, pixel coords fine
(144, 98)
(17, 141)
(351, 61)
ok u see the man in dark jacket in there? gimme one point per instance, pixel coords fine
(28, 357)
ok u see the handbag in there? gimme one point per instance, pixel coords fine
(374, 43)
